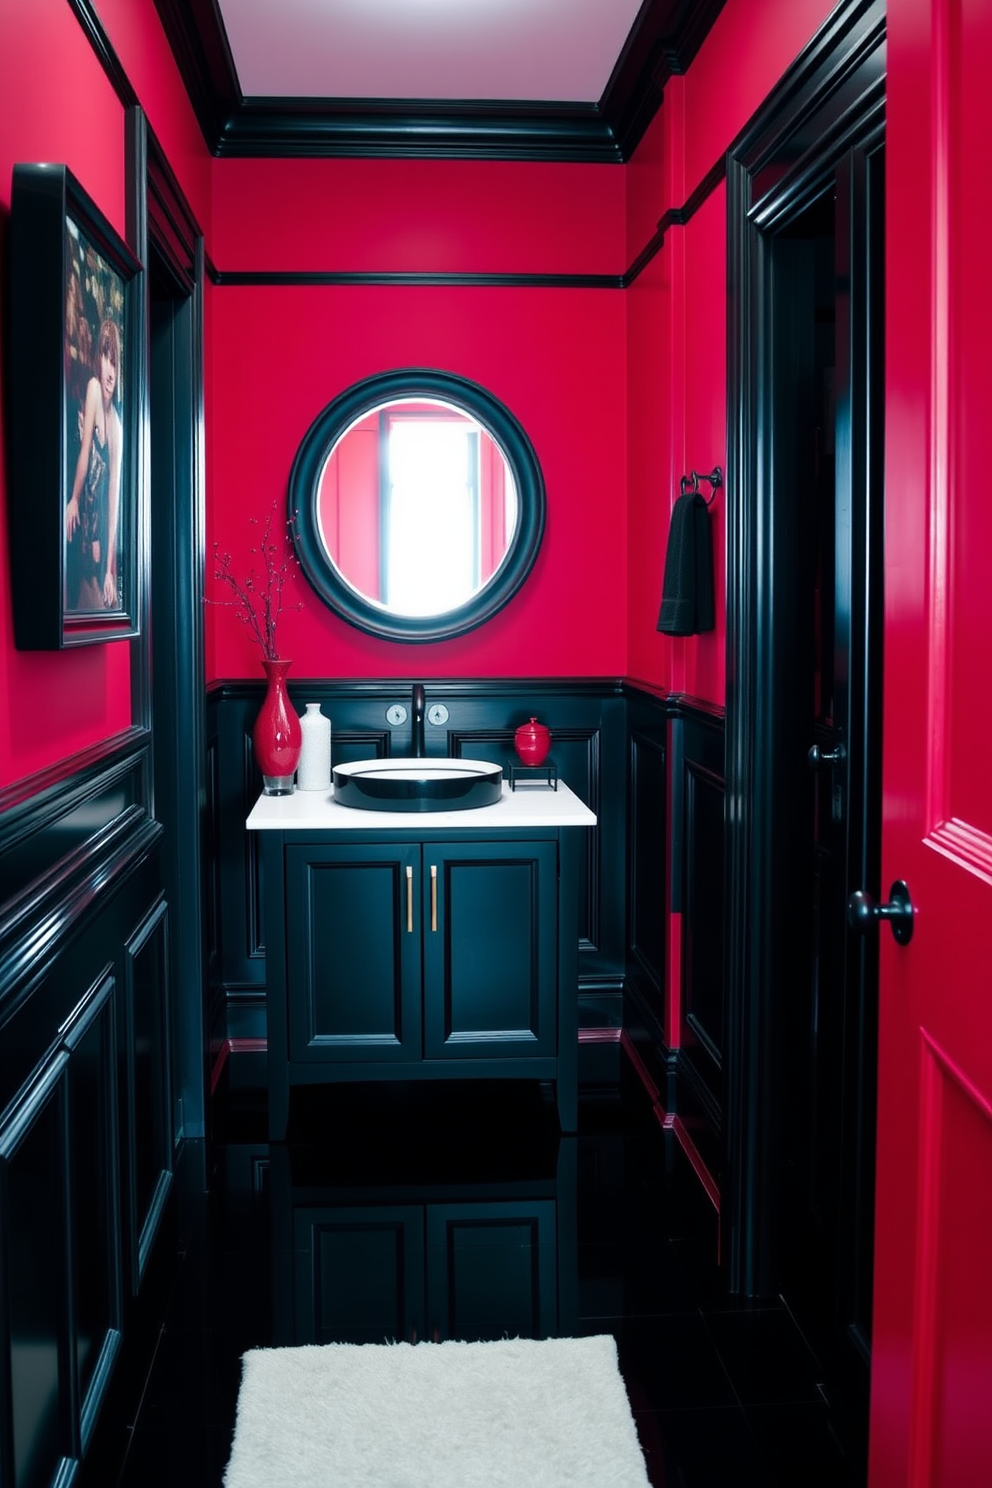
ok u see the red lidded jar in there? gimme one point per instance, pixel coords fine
(532, 742)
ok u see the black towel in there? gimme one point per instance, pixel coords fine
(687, 591)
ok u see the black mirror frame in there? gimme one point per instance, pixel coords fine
(304, 485)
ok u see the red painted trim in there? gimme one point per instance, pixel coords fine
(627, 1045)
(673, 1002)
(672, 1123)
(231, 1046)
(702, 1172)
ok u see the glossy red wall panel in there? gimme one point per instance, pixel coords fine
(677, 310)
(932, 1319)
(55, 105)
(137, 37)
(748, 49)
(704, 394)
(651, 471)
(418, 216)
(555, 357)
(677, 423)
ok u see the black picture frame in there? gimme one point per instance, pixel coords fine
(76, 390)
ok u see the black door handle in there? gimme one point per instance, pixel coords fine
(863, 913)
(818, 756)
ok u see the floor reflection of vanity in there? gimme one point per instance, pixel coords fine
(432, 947)
(367, 1256)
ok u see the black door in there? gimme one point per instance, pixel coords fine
(827, 331)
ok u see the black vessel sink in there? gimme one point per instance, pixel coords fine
(418, 784)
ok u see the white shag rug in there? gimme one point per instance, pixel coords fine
(518, 1413)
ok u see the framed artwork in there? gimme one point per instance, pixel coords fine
(75, 397)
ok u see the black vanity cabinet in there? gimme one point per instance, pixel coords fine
(420, 954)
(397, 951)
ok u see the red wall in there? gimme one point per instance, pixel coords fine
(451, 216)
(556, 357)
(677, 313)
(140, 44)
(620, 392)
(56, 105)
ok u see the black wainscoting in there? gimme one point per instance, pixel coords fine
(587, 722)
(86, 1107)
(647, 884)
(698, 819)
(150, 1091)
(675, 871)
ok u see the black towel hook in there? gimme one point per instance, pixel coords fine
(715, 479)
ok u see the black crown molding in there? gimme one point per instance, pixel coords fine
(436, 130)
(284, 278)
(663, 42)
(359, 688)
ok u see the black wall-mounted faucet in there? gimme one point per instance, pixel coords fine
(419, 705)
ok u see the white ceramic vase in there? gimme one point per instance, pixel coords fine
(313, 773)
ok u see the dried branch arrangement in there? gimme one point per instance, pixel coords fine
(258, 599)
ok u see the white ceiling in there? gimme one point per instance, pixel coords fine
(555, 51)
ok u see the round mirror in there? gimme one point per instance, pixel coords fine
(416, 505)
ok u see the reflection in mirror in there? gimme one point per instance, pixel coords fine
(417, 506)
(416, 503)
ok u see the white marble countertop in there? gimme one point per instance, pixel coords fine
(528, 806)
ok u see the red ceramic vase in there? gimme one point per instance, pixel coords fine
(276, 736)
(532, 742)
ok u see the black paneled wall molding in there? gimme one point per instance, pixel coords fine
(675, 868)
(86, 1106)
(698, 802)
(647, 882)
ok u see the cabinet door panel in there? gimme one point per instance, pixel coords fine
(490, 949)
(360, 1275)
(492, 1270)
(353, 954)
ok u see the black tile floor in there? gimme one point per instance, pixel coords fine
(725, 1393)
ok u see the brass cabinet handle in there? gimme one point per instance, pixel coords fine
(409, 901)
(433, 896)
